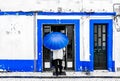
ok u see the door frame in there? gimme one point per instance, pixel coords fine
(40, 23)
(110, 62)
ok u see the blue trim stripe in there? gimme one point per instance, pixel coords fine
(91, 44)
(17, 65)
(40, 22)
(17, 13)
(59, 13)
(79, 13)
(110, 62)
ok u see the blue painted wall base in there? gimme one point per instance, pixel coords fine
(17, 65)
(85, 66)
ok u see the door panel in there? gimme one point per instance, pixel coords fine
(70, 48)
(46, 52)
(100, 51)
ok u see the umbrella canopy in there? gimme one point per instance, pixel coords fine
(55, 40)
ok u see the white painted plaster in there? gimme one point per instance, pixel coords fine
(116, 44)
(84, 42)
(16, 37)
(53, 5)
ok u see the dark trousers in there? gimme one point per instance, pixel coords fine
(58, 66)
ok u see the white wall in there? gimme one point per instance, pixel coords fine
(84, 38)
(52, 5)
(16, 37)
(116, 43)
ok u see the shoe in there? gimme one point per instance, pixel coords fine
(60, 73)
(56, 75)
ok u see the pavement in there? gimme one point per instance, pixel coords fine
(70, 76)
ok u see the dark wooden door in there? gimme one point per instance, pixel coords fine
(100, 46)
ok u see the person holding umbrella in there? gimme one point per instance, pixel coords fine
(56, 42)
(57, 60)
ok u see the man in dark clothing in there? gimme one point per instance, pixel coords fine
(57, 60)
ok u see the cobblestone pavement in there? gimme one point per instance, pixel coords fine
(60, 79)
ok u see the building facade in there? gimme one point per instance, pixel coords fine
(93, 33)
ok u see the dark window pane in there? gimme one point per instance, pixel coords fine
(104, 45)
(99, 42)
(95, 44)
(104, 29)
(99, 31)
(95, 29)
(104, 37)
(95, 37)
